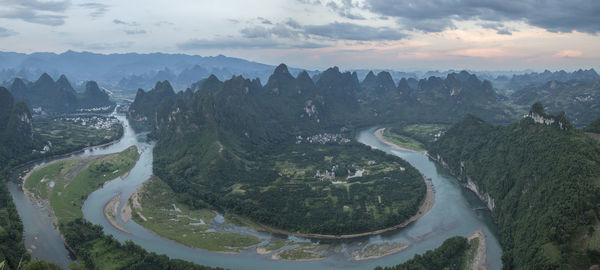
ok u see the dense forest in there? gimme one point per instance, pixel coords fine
(540, 177)
(96, 250)
(450, 255)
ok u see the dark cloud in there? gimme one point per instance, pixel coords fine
(283, 31)
(117, 21)
(552, 15)
(263, 20)
(499, 27)
(256, 32)
(195, 44)
(293, 24)
(6, 32)
(350, 31)
(55, 6)
(135, 32)
(34, 11)
(333, 31)
(278, 30)
(97, 9)
(345, 9)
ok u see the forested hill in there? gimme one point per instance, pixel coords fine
(433, 100)
(540, 177)
(271, 153)
(58, 96)
(16, 138)
(333, 100)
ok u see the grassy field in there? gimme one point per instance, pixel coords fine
(169, 218)
(403, 141)
(67, 183)
(414, 137)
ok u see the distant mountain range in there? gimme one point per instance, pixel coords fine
(46, 96)
(129, 71)
(520, 81)
(334, 99)
(580, 99)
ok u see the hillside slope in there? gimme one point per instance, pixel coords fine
(540, 177)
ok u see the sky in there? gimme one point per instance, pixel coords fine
(316, 34)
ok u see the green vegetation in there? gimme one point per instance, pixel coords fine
(67, 136)
(450, 255)
(303, 251)
(96, 250)
(255, 152)
(162, 213)
(414, 136)
(39, 265)
(543, 180)
(402, 141)
(12, 249)
(275, 244)
(593, 127)
(67, 183)
(470, 253)
(15, 147)
(290, 195)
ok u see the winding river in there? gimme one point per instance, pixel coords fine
(456, 211)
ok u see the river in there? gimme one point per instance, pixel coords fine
(456, 211)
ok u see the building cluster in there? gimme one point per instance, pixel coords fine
(323, 138)
(97, 109)
(93, 121)
(329, 175)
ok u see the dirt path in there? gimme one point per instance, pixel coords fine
(480, 260)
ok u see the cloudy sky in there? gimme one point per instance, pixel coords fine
(394, 34)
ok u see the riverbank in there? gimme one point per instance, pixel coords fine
(110, 212)
(479, 261)
(156, 207)
(379, 135)
(61, 186)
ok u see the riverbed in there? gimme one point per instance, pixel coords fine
(456, 211)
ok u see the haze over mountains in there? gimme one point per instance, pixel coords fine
(131, 71)
(46, 96)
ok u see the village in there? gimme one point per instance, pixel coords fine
(96, 122)
(323, 138)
